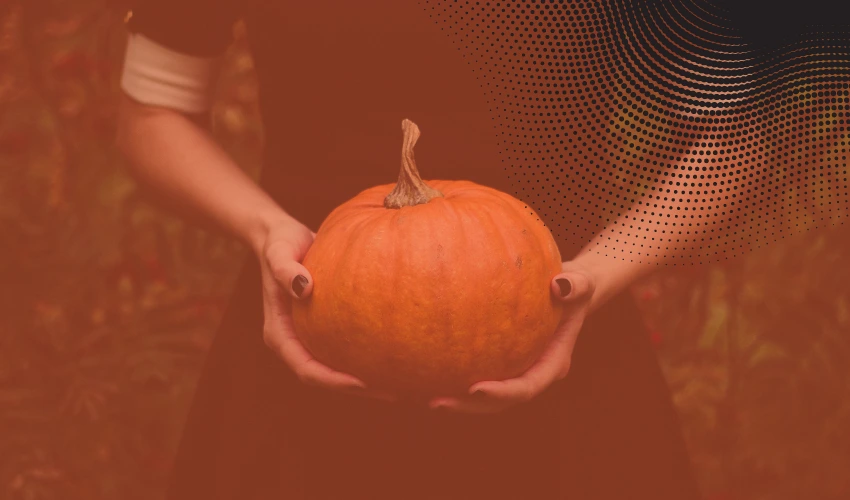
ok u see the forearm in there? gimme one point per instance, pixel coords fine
(665, 226)
(610, 275)
(177, 159)
(624, 252)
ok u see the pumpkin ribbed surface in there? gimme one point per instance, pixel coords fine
(434, 295)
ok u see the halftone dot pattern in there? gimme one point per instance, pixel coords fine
(655, 131)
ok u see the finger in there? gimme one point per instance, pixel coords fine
(552, 365)
(308, 369)
(493, 396)
(291, 275)
(474, 402)
(571, 287)
(312, 372)
(280, 336)
(512, 391)
(470, 405)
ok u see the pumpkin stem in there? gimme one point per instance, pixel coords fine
(411, 189)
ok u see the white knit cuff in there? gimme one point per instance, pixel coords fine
(157, 75)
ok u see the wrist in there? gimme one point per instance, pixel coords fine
(256, 233)
(610, 275)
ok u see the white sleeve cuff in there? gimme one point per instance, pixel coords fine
(157, 75)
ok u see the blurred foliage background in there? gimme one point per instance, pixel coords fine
(108, 305)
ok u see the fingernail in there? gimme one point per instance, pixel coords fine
(565, 286)
(299, 283)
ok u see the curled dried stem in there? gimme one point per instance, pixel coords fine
(411, 189)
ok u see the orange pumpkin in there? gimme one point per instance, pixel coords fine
(430, 287)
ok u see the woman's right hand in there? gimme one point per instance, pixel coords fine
(284, 280)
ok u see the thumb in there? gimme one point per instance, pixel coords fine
(294, 278)
(572, 286)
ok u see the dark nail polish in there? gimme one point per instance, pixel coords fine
(299, 284)
(565, 286)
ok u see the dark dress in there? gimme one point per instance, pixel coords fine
(336, 79)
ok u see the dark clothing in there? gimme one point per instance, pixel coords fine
(771, 24)
(608, 431)
(335, 82)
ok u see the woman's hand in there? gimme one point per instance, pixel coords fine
(285, 279)
(575, 287)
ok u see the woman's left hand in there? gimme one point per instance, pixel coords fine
(574, 287)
